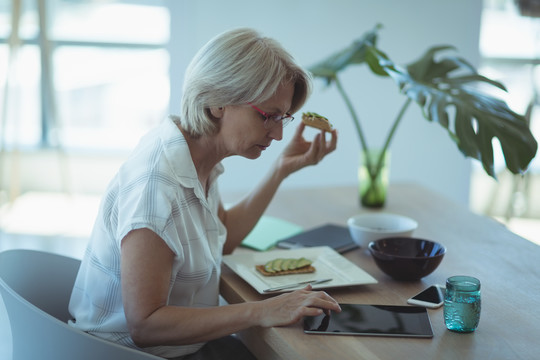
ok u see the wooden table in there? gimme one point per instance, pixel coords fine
(507, 265)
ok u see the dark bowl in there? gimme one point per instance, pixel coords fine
(406, 258)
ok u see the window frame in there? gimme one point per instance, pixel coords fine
(48, 113)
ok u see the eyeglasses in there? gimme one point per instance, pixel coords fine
(271, 120)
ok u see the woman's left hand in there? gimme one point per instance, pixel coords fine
(300, 153)
(242, 217)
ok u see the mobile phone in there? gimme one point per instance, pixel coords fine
(432, 297)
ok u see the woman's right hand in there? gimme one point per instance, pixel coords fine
(300, 152)
(290, 308)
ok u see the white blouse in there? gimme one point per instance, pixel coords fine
(157, 188)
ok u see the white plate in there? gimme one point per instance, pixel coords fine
(327, 262)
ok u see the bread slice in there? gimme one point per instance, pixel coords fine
(317, 121)
(304, 270)
(286, 266)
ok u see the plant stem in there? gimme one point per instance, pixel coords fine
(389, 139)
(348, 102)
(372, 171)
(374, 195)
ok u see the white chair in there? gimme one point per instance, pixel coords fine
(36, 287)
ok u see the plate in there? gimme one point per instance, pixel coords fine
(327, 262)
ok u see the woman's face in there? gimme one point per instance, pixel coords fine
(242, 128)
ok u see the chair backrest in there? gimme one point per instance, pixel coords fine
(36, 288)
(43, 279)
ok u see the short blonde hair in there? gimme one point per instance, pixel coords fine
(235, 68)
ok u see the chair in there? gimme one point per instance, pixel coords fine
(36, 288)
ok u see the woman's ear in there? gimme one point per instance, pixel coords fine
(217, 112)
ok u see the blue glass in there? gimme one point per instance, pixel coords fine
(462, 303)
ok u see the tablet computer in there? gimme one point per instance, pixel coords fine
(372, 320)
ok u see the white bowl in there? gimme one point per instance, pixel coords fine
(368, 227)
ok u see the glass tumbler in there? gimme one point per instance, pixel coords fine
(462, 303)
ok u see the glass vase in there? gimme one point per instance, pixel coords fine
(373, 175)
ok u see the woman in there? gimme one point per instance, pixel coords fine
(150, 276)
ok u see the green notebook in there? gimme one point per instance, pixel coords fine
(268, 231)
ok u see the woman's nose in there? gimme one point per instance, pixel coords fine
(276, 132)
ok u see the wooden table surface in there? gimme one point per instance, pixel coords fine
(507, 265)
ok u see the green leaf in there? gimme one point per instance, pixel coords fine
(353, 54)
(442, 87)
(478, 119)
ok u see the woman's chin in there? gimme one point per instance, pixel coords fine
(252, 155)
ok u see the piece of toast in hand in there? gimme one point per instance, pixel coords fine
(317, 121)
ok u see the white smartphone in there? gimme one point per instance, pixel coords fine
(432, 297)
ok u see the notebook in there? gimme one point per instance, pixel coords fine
(335, 236)
(268, 231)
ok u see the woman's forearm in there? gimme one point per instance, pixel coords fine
(300, 153)
(170, 325)
(241, 218)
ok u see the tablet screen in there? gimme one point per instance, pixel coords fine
(372, 320)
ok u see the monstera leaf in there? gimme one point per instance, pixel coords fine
(477, 117)
(353, 54)
(447, 92)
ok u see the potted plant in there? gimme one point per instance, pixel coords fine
(436, 85)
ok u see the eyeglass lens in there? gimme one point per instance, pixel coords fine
(271, 121)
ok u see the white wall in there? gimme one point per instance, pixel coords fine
(312, 30)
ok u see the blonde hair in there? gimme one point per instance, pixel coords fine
(235, 68)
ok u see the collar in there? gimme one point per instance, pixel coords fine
(178, 155)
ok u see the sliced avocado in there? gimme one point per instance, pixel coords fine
(285, 264)
(268, 266)
(302, 262)
(314, 114)
(276, 264)
(292, 264)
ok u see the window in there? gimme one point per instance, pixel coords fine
(510, 49)
(108, 71)
(510, 46)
